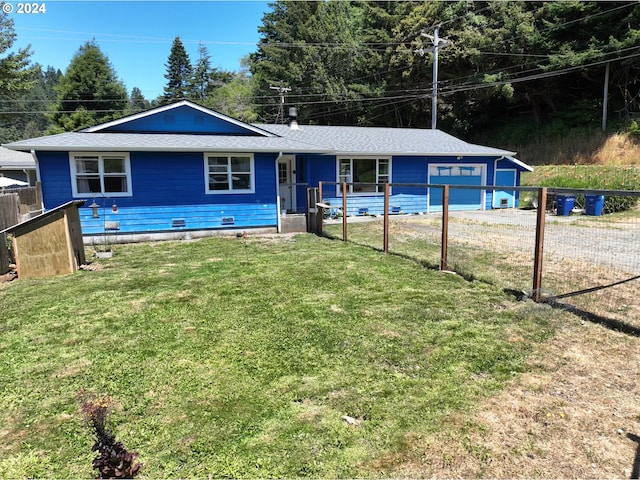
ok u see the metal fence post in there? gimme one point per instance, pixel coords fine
(385, 227)
(313, 224)
(537, 263)
(445, 227)
(344, 211)
(321, 211)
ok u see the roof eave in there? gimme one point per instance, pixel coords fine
(427, 154)
(520, 163)
(204, 148)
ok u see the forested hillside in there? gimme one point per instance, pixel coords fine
(509, 72)
(361, 62)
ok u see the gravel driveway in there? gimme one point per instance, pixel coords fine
(598, 240)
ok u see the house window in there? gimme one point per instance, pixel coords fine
(229, 173)
(100, 173)
(364, 170)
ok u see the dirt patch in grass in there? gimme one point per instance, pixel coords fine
(575, 414)
(11, 275)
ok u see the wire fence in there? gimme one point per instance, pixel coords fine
(577, 249)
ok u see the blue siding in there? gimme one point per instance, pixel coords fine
(181, 120)
(408, 199)
(177, 218)
(169, 193)
(167, 186)
(179, 179)
(374, 205)
(408, 170)
(322, 169)
(56, 178)
(159, 179)
(488, 198)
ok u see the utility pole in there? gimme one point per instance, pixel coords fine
(282, 91)
(436, 44)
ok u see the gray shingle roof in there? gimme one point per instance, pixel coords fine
(383, 141)
(308, 139)
(82, 141)
(12, 160)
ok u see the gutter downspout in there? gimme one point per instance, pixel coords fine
(495, 177)
(279, 224)
(35, 158)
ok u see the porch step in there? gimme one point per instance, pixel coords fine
(293, 222)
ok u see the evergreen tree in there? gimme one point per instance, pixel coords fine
(330, 54)
(15, 74)
(356, 62)
(25, 116)
(201, 81)
(233, 94)
(89, 92)
(137, 102)
(179, 74)
(281, 59)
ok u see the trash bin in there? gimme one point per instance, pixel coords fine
(594, 204)
(564, 204)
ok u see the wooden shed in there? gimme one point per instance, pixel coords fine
(49, 244)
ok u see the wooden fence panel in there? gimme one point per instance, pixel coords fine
(4, 254)
(9, 210)
(27, 195)
(9, 216)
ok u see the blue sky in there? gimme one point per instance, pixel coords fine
(137, 35)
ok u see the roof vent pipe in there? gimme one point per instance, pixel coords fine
(293, 118)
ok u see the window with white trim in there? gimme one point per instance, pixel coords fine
(233, 173)
(100, 173)
(364, 170)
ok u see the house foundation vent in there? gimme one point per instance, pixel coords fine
(504, 203)
(112, 225)
(178, 223)
(228, 221)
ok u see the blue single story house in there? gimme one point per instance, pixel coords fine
(183, 167)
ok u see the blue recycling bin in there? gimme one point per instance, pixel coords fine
(564, 204)
(594, 204)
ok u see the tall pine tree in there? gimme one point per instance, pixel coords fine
(327, 53)
(179, 74)
(201, 81)
(89, 92)
(137, 102)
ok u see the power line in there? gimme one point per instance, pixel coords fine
(391, 98)
(553, 73)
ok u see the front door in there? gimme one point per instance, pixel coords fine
(285, 183)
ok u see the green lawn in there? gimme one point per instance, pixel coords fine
(236, 359)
